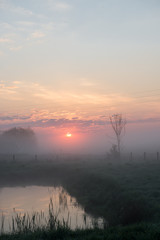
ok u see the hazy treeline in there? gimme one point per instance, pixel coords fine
(18, 140)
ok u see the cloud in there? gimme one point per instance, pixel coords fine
(5, 5)
(4, 40)
(22, 11)
(38, 34)
(45, 123)
(4, 25)
(145, 120)
(62, 6)
(15, 117)
(8, 91)
(59, 6)
(9, 6)
(4, 87)
(15, 49)
(21, 33)
(86, 83)
(48, 118)
(74, 107)
(63, 123)
(26, 23)
(16, 82)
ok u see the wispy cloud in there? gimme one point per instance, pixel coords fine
(5, 25)
(6, 87)
(82, 125)
(86, 82)
(46, 106)
(5, 40)
(59, 6)
(8, 91)
(26, 23)
(14, 117)
(26, 26)
(62, 6)
(15, 49)
(45, 123)
(10, 6)
(38, 34)
(6, 5)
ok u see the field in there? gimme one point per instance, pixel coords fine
(135, 232)
(126, 195)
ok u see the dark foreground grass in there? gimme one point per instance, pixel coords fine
(26, 227)
(134, 232)
(122, 194)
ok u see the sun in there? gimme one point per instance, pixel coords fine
(68, 135)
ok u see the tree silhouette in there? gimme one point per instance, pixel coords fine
(18, 140)
(118, 124)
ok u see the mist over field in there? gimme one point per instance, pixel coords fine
(137, 141)
(79, 120)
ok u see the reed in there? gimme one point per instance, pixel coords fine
(37, 221)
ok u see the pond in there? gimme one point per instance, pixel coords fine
(37, 199)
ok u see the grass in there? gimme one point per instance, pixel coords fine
(133, 232)
(122, 194)
(38, 227)
(127, 195)
(26, 223)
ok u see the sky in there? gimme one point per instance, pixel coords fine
(66, 66)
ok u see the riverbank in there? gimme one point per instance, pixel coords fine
(123, 193)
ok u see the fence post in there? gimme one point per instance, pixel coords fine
(157, 156)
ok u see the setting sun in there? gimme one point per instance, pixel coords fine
(68, 134)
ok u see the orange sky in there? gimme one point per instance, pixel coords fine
(68, 65)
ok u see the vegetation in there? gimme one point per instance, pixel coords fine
(118, 125)
(27, 227)
(123, 194)
(136, 232)
(18, 140)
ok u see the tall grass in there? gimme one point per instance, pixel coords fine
(38, 221)
(122, 194)
(24, 223)
(2, 224)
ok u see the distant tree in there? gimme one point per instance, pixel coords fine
(118, 124)
(113, 152)
(19, 132)
(18, 140)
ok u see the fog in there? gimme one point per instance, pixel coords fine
(137, 139)
(18, 141)
(32, 141)
(88, 167)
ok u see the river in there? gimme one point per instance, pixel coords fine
(36, 199)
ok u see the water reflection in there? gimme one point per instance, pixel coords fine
(34, 199)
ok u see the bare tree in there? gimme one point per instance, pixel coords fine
(118, 124)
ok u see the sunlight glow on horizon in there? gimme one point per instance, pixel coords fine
(68, 135)
(65, 68)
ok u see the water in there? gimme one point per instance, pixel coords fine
(21, 200)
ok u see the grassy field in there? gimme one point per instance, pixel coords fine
(25, 227)
(122, 193)
(134, 232)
